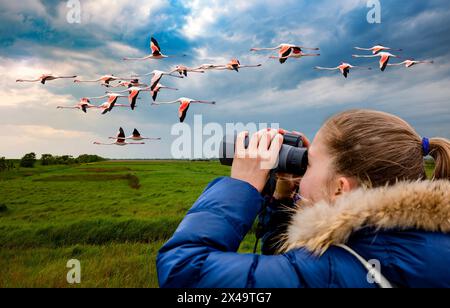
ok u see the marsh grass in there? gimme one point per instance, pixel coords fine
(100, 170)
(133, 180)
(112, 216)
(3, 208)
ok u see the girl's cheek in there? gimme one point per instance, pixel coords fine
(304, 184)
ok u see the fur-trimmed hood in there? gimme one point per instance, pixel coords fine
(422, 205)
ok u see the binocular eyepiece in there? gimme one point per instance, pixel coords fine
(293, 158)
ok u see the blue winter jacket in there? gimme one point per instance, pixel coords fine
(203, 251)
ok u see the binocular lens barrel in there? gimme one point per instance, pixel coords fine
(293, 158)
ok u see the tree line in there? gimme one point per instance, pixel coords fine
(29, 160)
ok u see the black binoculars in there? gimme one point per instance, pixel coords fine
(293, 158)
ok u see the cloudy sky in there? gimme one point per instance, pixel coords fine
(36, 38)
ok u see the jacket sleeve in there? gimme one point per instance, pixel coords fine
(202, 252)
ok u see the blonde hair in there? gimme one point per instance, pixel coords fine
(378, 148)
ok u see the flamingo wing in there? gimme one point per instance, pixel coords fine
(384, 61)
(121, 137)
(284, 53)
(155, 80)
(121, 134)
(182, 111)
(112, 99)
(133, 97)
(156, 50)
(345, 71)
(136, 133)
(154, 95)
(376, 50)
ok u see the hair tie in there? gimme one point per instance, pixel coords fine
(426, 146)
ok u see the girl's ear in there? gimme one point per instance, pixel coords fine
(344, 185)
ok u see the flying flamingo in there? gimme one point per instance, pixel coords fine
(206, 67)
(158, 88)
(384, 58)
(183, 70)
(44, 78)
(235, 65)
(184, 105)
(156, 53)
(83, 105)
(111, 103)
(120, 140)
(133, 94)
(295, 52)
(377, 49)
(136, 137)
(105, 79)
(286, 51)
(411, 62)
(126, 84)
(157, 76)
(344, 68)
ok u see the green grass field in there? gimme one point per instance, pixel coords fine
(112, 216)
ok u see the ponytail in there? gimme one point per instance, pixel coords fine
(440, 151)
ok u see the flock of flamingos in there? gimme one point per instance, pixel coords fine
(133, 86)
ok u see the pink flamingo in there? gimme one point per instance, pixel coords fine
(46, 77)
(156, 53)
(206, 67)
(120, 140)
(377, 49)
(235, 65)
(136, 136)
(183, 70)
(109, 105)
(133, 94)
(83, 105)
(384, 58)
(295, 52)
(157, 76)
(105, 80)
(344, 68)
(126, 84)
(184, 105)
(410, 63)
(286, 51)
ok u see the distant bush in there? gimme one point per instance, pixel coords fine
(86, 158)
(28, 160)
(48, 159)
(5, 164)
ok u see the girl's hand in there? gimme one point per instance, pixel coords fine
(252, 165)
(287, 184)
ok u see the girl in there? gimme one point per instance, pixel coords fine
(364, 196)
